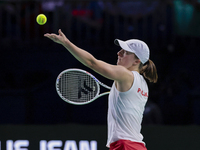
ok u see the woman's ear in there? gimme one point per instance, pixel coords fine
(137, 61)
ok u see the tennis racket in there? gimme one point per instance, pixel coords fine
(78, 86)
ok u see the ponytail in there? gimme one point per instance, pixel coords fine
(149, 71)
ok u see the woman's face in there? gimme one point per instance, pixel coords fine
(125, 58)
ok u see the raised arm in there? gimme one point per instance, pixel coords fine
(113, 72)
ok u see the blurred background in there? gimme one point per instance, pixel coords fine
(30, 62)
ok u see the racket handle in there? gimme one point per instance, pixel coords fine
(102, 94)
(104, 85)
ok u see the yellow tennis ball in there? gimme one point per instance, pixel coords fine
(41, 19)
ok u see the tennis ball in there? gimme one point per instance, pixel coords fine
(41, 19)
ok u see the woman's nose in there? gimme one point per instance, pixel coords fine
(119, 53)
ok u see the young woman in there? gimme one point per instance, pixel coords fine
(129, 92)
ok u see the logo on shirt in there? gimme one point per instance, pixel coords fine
(142, 92)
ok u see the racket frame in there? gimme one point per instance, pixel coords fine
(95, 79)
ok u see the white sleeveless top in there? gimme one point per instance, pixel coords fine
(125, 111)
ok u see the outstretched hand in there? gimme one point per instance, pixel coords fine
(60, 38)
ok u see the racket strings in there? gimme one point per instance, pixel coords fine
(77, 87)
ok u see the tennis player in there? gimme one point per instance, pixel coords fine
(129, 92)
